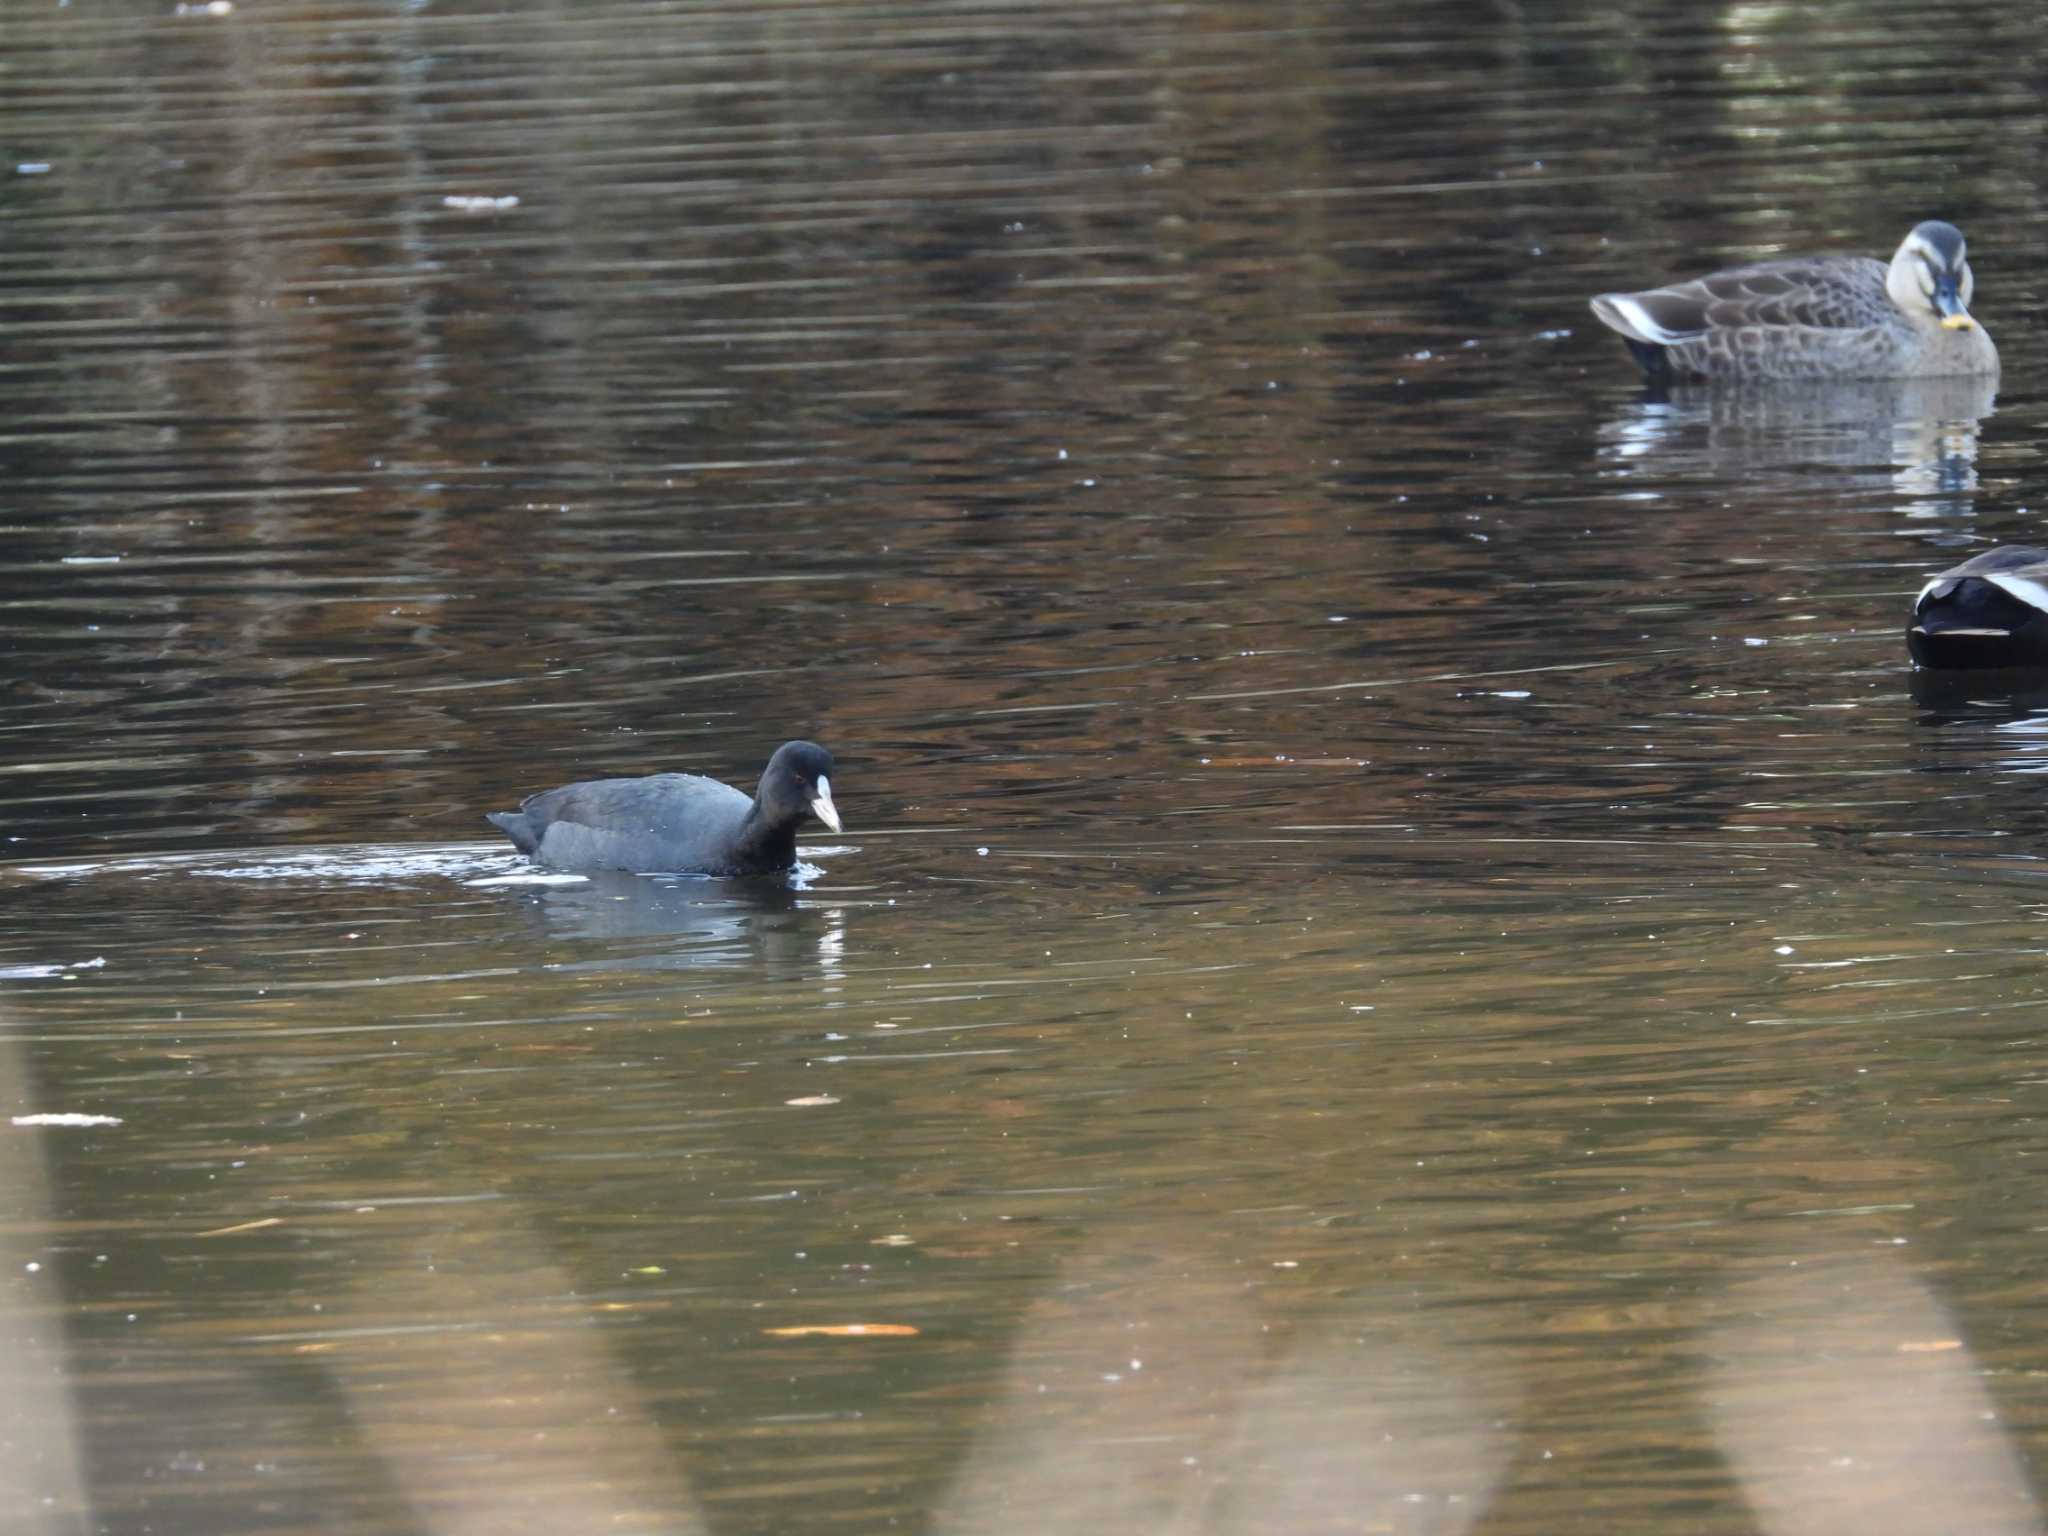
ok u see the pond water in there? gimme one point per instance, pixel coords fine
(1407, 953)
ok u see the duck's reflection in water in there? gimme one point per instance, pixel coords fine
(1916, 437)
(1978, 723)
(1994, 694)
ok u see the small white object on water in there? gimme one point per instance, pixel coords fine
(33, 168)
(981, 853)
(66, 1120)
(205, 8)
(55, 968)
(90, 560)
(470, 204)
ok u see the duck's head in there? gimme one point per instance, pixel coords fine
(1930, 275)
(798, 782)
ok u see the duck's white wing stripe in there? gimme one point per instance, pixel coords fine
(2023, 584)
(1627, 315)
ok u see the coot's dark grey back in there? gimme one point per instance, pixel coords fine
(668, 821)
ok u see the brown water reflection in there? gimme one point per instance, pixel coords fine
(1391, 880)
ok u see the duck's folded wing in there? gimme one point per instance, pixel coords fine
(2021, 572)
(1658, 317)
(1831, 293)
(1661, 317)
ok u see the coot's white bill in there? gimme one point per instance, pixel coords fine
(822, 806)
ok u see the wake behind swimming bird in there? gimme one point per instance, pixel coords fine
(678, 823)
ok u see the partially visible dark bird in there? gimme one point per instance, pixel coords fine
(1990, 611)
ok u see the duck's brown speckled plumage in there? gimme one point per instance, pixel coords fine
(1813, 317)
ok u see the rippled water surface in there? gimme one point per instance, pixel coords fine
(1407, 954)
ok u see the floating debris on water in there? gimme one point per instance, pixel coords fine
(33, 972)
(845, 1331)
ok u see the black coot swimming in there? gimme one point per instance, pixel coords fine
(678, 822)
(1990, 611)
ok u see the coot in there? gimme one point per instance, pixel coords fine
(677, 821)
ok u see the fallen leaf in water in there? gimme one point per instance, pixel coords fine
(845, 1331)
(243, 1226)
(812, 1102)
(1282, 760)
(893, 1240)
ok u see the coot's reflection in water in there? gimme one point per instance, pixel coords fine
(765, 922)
(1917, 437)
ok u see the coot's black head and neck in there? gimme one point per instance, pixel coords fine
(796, 785)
